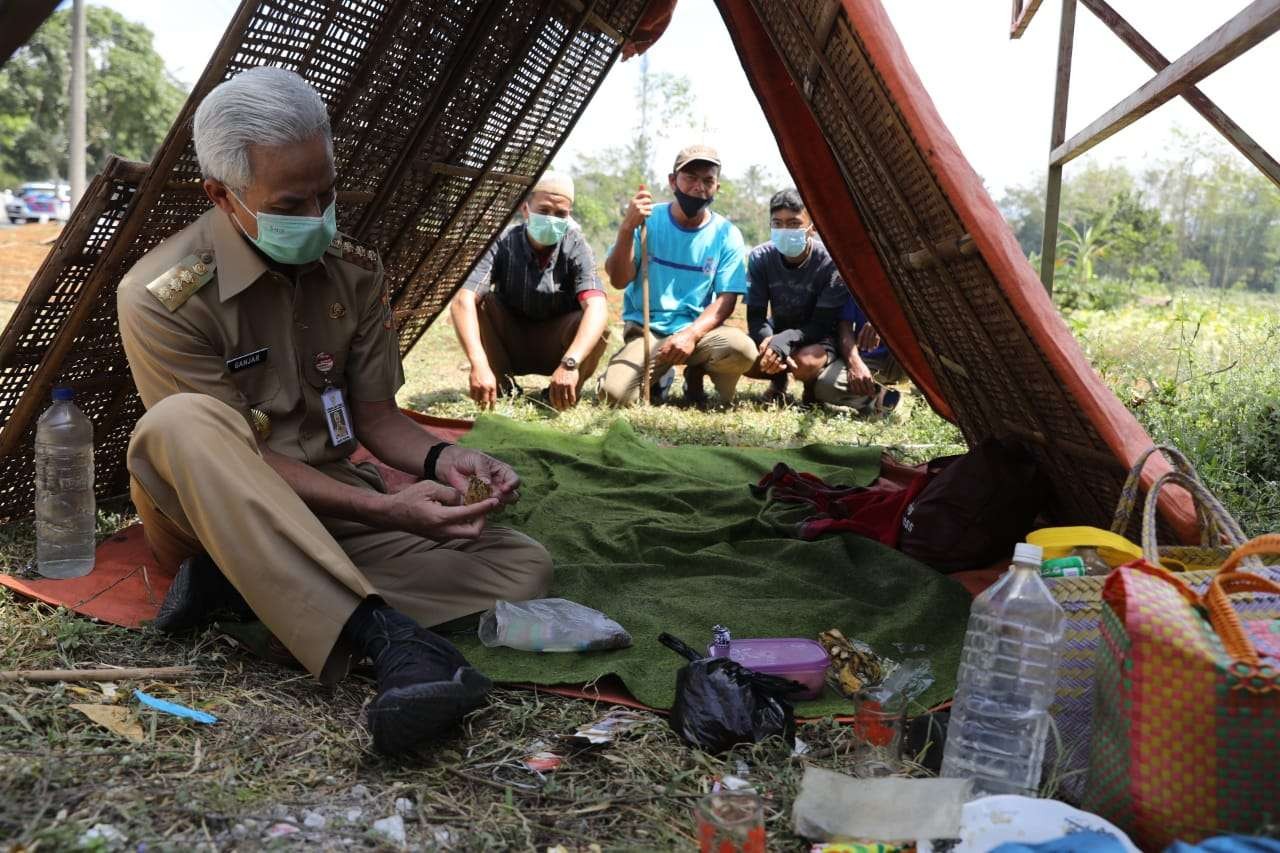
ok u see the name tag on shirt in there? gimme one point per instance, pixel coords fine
(336, 416)
(249, 359)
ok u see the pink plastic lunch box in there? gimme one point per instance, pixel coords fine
(795, 658)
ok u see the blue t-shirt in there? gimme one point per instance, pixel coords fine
(852, 312)
(687, 269)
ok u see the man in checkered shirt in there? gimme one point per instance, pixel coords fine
(533, 304)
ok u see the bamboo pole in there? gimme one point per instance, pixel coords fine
(134, 673)
(647, 370)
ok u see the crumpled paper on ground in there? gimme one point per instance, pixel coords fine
(832, 806)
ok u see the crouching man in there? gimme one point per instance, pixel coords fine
(806, 324)
(263, 346)
(697, 270)
(533, 304)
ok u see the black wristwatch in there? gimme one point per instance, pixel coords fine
(433, 456)
(569, 363)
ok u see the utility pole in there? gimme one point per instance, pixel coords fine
(77, 118)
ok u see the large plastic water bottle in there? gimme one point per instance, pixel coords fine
(1008, 674)
(64, 489)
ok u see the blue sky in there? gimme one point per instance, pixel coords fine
(995, 94)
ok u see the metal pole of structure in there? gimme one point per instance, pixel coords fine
(77, 118)
(1058, 133)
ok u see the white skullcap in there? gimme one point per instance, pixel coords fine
(557, 183)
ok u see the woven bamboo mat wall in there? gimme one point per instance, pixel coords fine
(444, 112)
(990, 370)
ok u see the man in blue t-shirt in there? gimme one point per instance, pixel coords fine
(697, 270)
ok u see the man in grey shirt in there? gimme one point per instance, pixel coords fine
(797, 314)
(533, 304)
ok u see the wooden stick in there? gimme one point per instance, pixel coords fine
(647, 380)
(134, 673)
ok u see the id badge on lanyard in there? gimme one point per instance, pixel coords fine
(336, 416)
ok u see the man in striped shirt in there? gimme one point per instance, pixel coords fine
(533, 304)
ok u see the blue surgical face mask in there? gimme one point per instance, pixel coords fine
(293, 239)
(791, 242)
(547, 230)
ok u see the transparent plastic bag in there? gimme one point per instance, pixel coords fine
(550, 625)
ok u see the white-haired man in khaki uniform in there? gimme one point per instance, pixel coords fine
(263, 346)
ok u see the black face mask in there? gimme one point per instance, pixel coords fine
(691, 205)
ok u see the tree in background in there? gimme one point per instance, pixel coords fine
(1226, 214)
(1201, 217)
(744, 201)
(606, 180)
(131, 99)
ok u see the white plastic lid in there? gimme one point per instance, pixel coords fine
(1025, 552)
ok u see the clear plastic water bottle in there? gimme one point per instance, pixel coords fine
(1008, 674)
(64, 489)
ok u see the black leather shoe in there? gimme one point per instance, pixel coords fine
(425, 685)
(402, 718)
(199, 594)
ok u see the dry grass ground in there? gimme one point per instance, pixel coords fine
(287, 751)
(289, 755)
(22, 250)
(436, 381)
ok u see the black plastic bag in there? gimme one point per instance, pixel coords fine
(720, 703)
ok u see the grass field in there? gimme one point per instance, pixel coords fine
(289, 763)
(1201, 371)
(436, 382)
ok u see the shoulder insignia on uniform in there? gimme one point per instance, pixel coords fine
(177, 284)
(352, 250)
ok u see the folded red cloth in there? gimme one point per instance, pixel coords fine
(873, 511)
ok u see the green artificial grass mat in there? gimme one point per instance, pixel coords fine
(671, 539)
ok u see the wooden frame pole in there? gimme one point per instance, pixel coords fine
(1252, 25)
(1058, 131)
(1022, 15)
(1219, 120)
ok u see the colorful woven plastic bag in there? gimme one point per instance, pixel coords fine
(1067, 756)
(1186, 735)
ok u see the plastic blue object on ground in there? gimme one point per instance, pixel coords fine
(174, 708)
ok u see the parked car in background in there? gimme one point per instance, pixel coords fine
(39, 202)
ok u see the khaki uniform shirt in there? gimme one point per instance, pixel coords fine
(203, 312)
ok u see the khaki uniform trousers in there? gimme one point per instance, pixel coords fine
(201, 485)
(724, 353)
(516, 346)
(832, 384)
